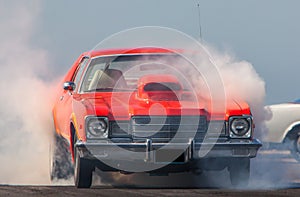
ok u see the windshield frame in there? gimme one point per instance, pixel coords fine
(107, 60)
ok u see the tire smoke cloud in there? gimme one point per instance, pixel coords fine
(242, 83)
(25, 109)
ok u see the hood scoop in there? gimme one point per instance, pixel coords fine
(159, 88)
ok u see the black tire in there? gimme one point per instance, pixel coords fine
(60, 159)
(295, 147)
(239, 171)
(83, 171)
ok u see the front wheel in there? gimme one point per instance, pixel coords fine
(83, 171)
(239, 171)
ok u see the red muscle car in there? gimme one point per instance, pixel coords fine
(130, 110)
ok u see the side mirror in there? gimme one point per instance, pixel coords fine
(69, 85)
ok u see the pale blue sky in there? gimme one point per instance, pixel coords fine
(263, 32)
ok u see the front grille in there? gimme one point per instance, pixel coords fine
(119, 129)
(165, 128)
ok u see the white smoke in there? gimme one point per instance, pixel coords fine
(222, 78)
(25, 101)
(242, 83)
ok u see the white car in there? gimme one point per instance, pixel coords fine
(284, 127)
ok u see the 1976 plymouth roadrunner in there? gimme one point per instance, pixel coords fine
(130, 111)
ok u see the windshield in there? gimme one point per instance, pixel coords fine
(122, 72)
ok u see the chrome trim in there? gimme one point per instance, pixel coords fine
(148, 149)
(190, 148)
(171, 53)
(106, 150)
(69, 85)
(83, 72)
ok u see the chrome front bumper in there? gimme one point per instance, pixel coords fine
(149, 151)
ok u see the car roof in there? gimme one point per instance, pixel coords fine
(141, 50)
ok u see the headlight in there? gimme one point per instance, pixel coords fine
(240, 127)
(96, 127)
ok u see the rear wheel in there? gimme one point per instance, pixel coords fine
(60, 159)
(83, 170)
(239, 171)
(295, 147)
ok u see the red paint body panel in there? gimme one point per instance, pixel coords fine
(73, 107)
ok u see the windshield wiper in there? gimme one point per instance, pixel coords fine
(109, 89)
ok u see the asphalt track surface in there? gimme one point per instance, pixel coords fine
(273, 173)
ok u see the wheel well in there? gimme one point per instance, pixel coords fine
(72, 135)
(293, 133)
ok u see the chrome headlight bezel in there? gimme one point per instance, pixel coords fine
(93, 121)
(241, 121)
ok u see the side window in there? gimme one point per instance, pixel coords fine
(80, 69)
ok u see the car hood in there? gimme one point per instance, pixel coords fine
(123, 106)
